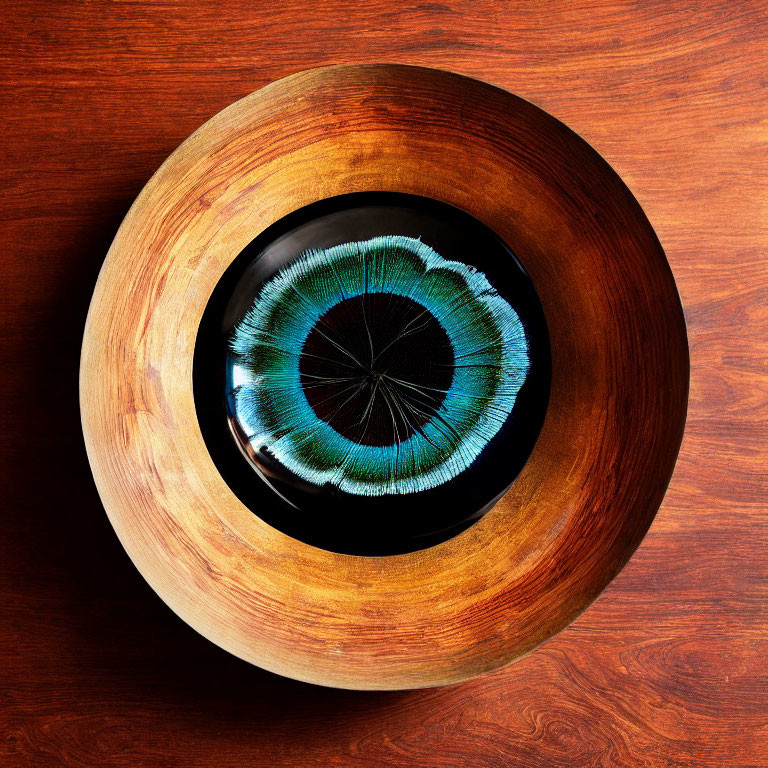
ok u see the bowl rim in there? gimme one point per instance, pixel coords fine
(593, 483)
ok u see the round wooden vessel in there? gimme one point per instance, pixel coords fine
(596, 476)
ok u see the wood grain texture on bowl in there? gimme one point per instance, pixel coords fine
(597, 474)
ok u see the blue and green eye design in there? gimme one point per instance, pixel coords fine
(377, 367)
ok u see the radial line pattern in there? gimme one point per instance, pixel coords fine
(378, 367)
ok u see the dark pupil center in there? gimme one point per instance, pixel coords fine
(376, 368)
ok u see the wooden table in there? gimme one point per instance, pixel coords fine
(668, 668)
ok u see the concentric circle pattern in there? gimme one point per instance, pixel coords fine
(377, 367)
(406, 589)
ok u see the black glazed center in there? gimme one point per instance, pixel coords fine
(376, 367)
(326, 517)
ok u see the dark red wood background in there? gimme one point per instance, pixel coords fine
(668, 668)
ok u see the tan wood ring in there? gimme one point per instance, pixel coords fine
(597, 474)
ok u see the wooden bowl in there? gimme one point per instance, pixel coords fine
(596, 476)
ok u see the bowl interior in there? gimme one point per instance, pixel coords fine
(321, 513)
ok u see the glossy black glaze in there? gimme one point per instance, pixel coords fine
(324, 516)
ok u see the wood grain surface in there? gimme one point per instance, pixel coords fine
(666, 669)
